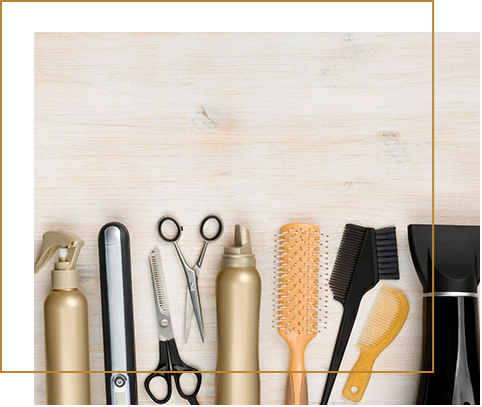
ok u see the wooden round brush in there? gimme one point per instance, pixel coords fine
(387, 317)
(297, 302)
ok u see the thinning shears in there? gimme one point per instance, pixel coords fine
(169, 359)
(193, 302)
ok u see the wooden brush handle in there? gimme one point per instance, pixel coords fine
(296, 389)
(357, 383)
(296, 384)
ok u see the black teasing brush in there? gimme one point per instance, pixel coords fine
(387, 255)
(346, 261)
(365, 256)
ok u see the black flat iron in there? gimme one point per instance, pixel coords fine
(117, 315)
(456, 363)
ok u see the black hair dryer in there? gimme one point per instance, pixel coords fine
(456, 363)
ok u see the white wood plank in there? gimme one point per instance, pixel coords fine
(262, 129)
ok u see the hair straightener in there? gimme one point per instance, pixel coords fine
(117, 314)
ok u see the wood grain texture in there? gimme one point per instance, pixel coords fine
(264, 130)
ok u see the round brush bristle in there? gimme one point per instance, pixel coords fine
(298, 278)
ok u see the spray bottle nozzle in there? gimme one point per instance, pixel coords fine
(68, 245)
(240, 254)
(242, 242)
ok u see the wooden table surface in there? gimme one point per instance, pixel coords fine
(264, 130)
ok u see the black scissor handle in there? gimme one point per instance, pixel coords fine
(176, 224)
(191, 397)
(161, 372)
(218, 233)
(179, 366)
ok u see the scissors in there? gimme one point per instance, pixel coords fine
(193, 302)
(169, 360)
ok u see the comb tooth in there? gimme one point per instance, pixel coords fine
(346, 260)
(387, 255)
(384, 314)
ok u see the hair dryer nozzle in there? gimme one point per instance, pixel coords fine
(457, 257)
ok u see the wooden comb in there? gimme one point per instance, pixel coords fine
(387, 317)
(297, 302)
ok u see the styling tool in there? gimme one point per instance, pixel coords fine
(193, 301)
(451, 298)
(386, 319)
(66, 323)
(297, 302)
(238, 296)
(169, 361)
(365, 256)
(117, 314)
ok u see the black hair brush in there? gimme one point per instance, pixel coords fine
(365, 256)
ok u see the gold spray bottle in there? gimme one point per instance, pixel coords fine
(238, 296)
(66, 323)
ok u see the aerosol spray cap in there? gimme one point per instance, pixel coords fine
(64, 275)
(240, 254)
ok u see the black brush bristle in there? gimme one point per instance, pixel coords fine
(346, 260)
(387, 255)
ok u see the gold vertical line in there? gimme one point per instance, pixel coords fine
(1, 206)
(433, 184)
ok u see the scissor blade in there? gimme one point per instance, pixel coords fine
(196, 304)
(188, 308)
(158, 282)
(188, 316)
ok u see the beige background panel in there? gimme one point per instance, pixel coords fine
(264, 130)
